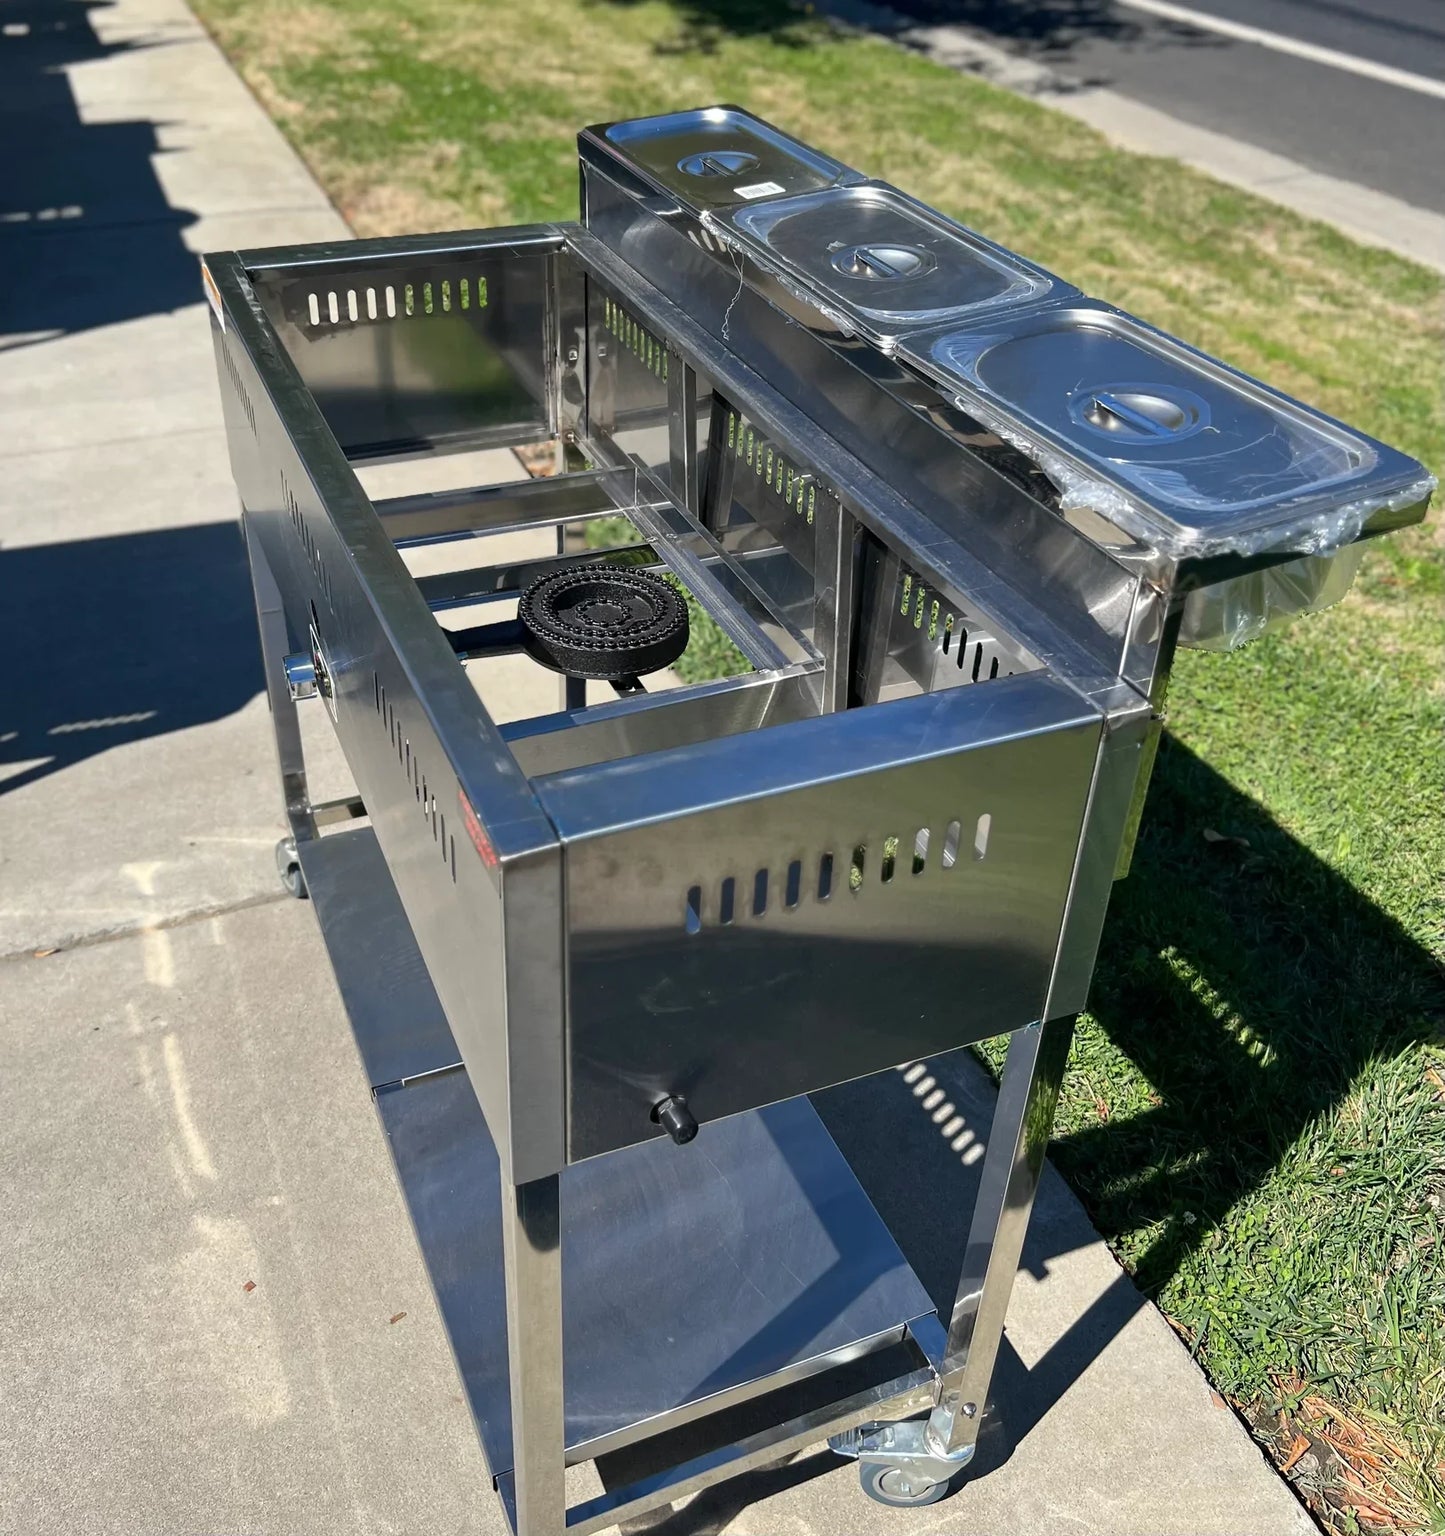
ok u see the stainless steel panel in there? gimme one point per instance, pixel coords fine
(631, 726)
(437, 515)
(1208, 455)
(407, 349)
(905, 467)
(716, 156)
(752, 1252)
(888, 263)
(454, 815)
(947, 827)
(399, 1025)
(919, 640)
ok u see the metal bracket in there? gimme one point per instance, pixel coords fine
(905, 1445)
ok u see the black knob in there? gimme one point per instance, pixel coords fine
(673, 1115)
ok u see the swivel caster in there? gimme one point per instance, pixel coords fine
(288, 866)
(894, 1485)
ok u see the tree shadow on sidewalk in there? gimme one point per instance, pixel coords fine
(109, 641)
(87, 235)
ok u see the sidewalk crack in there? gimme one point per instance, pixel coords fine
(137, 929)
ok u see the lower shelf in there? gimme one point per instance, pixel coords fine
(693, 1278)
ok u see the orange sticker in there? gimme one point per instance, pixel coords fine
(213, 294)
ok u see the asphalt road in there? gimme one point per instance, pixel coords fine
(1326, 117)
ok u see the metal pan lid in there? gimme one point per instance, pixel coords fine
(715, 157)
(1131, 421)
(888, 263)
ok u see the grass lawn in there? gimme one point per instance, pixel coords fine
(1256, 1115)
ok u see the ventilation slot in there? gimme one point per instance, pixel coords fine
(433, 816)
(897, 857)
(302, 525)
(976, 656)
(637, 339)
(238, 384)
(950, 844)
(331, 308)
(796, 489)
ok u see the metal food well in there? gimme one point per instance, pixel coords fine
(944, 517)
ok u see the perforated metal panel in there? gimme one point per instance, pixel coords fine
(872, 894)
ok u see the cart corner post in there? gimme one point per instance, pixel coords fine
(1023, 1122)
(532, 1254)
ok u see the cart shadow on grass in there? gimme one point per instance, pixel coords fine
(87, 234)
(1322, 981)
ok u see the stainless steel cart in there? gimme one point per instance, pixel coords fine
(948, 518)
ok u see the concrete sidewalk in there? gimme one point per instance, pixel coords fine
(212, 1313)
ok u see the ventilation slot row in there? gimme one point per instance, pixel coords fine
(303, 532)
(975, 655)
(792, 486)
(890, 863)
(439, 296)
(638, 340)
(238, 384)
(415, 776)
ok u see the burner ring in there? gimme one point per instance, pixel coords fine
(603, 621)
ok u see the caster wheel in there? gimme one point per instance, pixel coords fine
(898, 1488)
(288, 866)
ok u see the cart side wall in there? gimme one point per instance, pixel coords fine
(454, 815)
(766, 915)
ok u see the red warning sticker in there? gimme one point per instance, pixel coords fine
(476, 831)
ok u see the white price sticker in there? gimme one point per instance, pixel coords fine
(759, 189)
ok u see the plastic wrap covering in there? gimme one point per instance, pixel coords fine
(1234, 612)
(1312, 533)
(1189, 456)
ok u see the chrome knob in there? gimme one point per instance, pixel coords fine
(300, 672)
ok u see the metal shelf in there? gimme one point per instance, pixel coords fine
(693, 1279)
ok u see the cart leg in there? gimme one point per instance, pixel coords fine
(271, 622)
(1022, 1124)
(531, 1243)
(915, 1461)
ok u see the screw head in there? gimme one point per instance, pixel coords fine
(969, 1410)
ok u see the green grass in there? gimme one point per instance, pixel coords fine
(709, 654)
(1256, 1112)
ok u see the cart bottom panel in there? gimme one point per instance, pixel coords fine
(694, 1278)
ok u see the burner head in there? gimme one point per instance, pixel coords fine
(603, 621)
